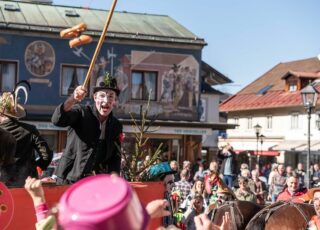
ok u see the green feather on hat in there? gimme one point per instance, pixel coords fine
(106, 82)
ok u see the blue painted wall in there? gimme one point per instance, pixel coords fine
(13, 47)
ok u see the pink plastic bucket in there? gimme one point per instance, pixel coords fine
(101, 202)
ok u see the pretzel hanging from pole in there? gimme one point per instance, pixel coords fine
(73, 31)
(95, 55)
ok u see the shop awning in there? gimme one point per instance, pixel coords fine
(171, 130)
(180, 127)
(289, 145)
(259, 153)
(159, 127)
(267, 153)
(187, 124)
(314, 146)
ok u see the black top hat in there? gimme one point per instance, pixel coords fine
(106, 82)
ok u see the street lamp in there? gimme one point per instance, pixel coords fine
(309, 98)
(257, 129)
(261, 137)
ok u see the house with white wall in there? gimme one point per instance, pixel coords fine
(274, 102)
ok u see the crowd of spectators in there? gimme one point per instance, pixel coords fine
(197, 189)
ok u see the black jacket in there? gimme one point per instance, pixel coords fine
(83, 136)
(28, 139)
(223, 158)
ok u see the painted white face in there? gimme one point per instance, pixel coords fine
(222, 198)
(105, 101)
(316, 202)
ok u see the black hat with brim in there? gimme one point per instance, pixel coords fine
(106, 82)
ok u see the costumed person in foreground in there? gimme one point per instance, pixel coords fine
(27, 138)
(103, 202)
(94, 134)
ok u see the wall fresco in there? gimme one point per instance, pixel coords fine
(39, 58)
(177, 84)
(40, 61)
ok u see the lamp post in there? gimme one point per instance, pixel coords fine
(261, 137)
(309, 98)
(257, 129)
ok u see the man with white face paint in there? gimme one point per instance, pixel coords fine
(93, 133)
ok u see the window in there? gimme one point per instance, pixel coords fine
(11, 7)
(143, 84)
(249, 123)
(294, 120)
(236, 121)
(72, 76)
(269, 121)
(264, 90)
(8, 74)
(292, 87)
(71, 13)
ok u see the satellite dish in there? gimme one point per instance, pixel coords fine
(318, 57)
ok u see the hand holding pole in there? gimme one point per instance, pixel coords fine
(95, 55)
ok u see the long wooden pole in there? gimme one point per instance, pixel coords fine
(95, 55)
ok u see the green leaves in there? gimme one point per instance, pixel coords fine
(141, 156)
(107, 79)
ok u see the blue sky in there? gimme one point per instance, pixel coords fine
(245, 38)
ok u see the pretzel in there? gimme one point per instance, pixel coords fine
(73, 31)
(71, 34)
(83, 39)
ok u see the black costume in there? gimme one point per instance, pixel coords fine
(28, 139)
(88, 148)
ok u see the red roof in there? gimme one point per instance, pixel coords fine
(314, 75)
(271, 99)
(274, 96)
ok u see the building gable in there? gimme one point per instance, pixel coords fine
(273, 85)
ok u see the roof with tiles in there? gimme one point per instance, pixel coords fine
(309, 75)
(268, 91)
(19, 15)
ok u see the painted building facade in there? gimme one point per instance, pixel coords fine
(150, 55)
